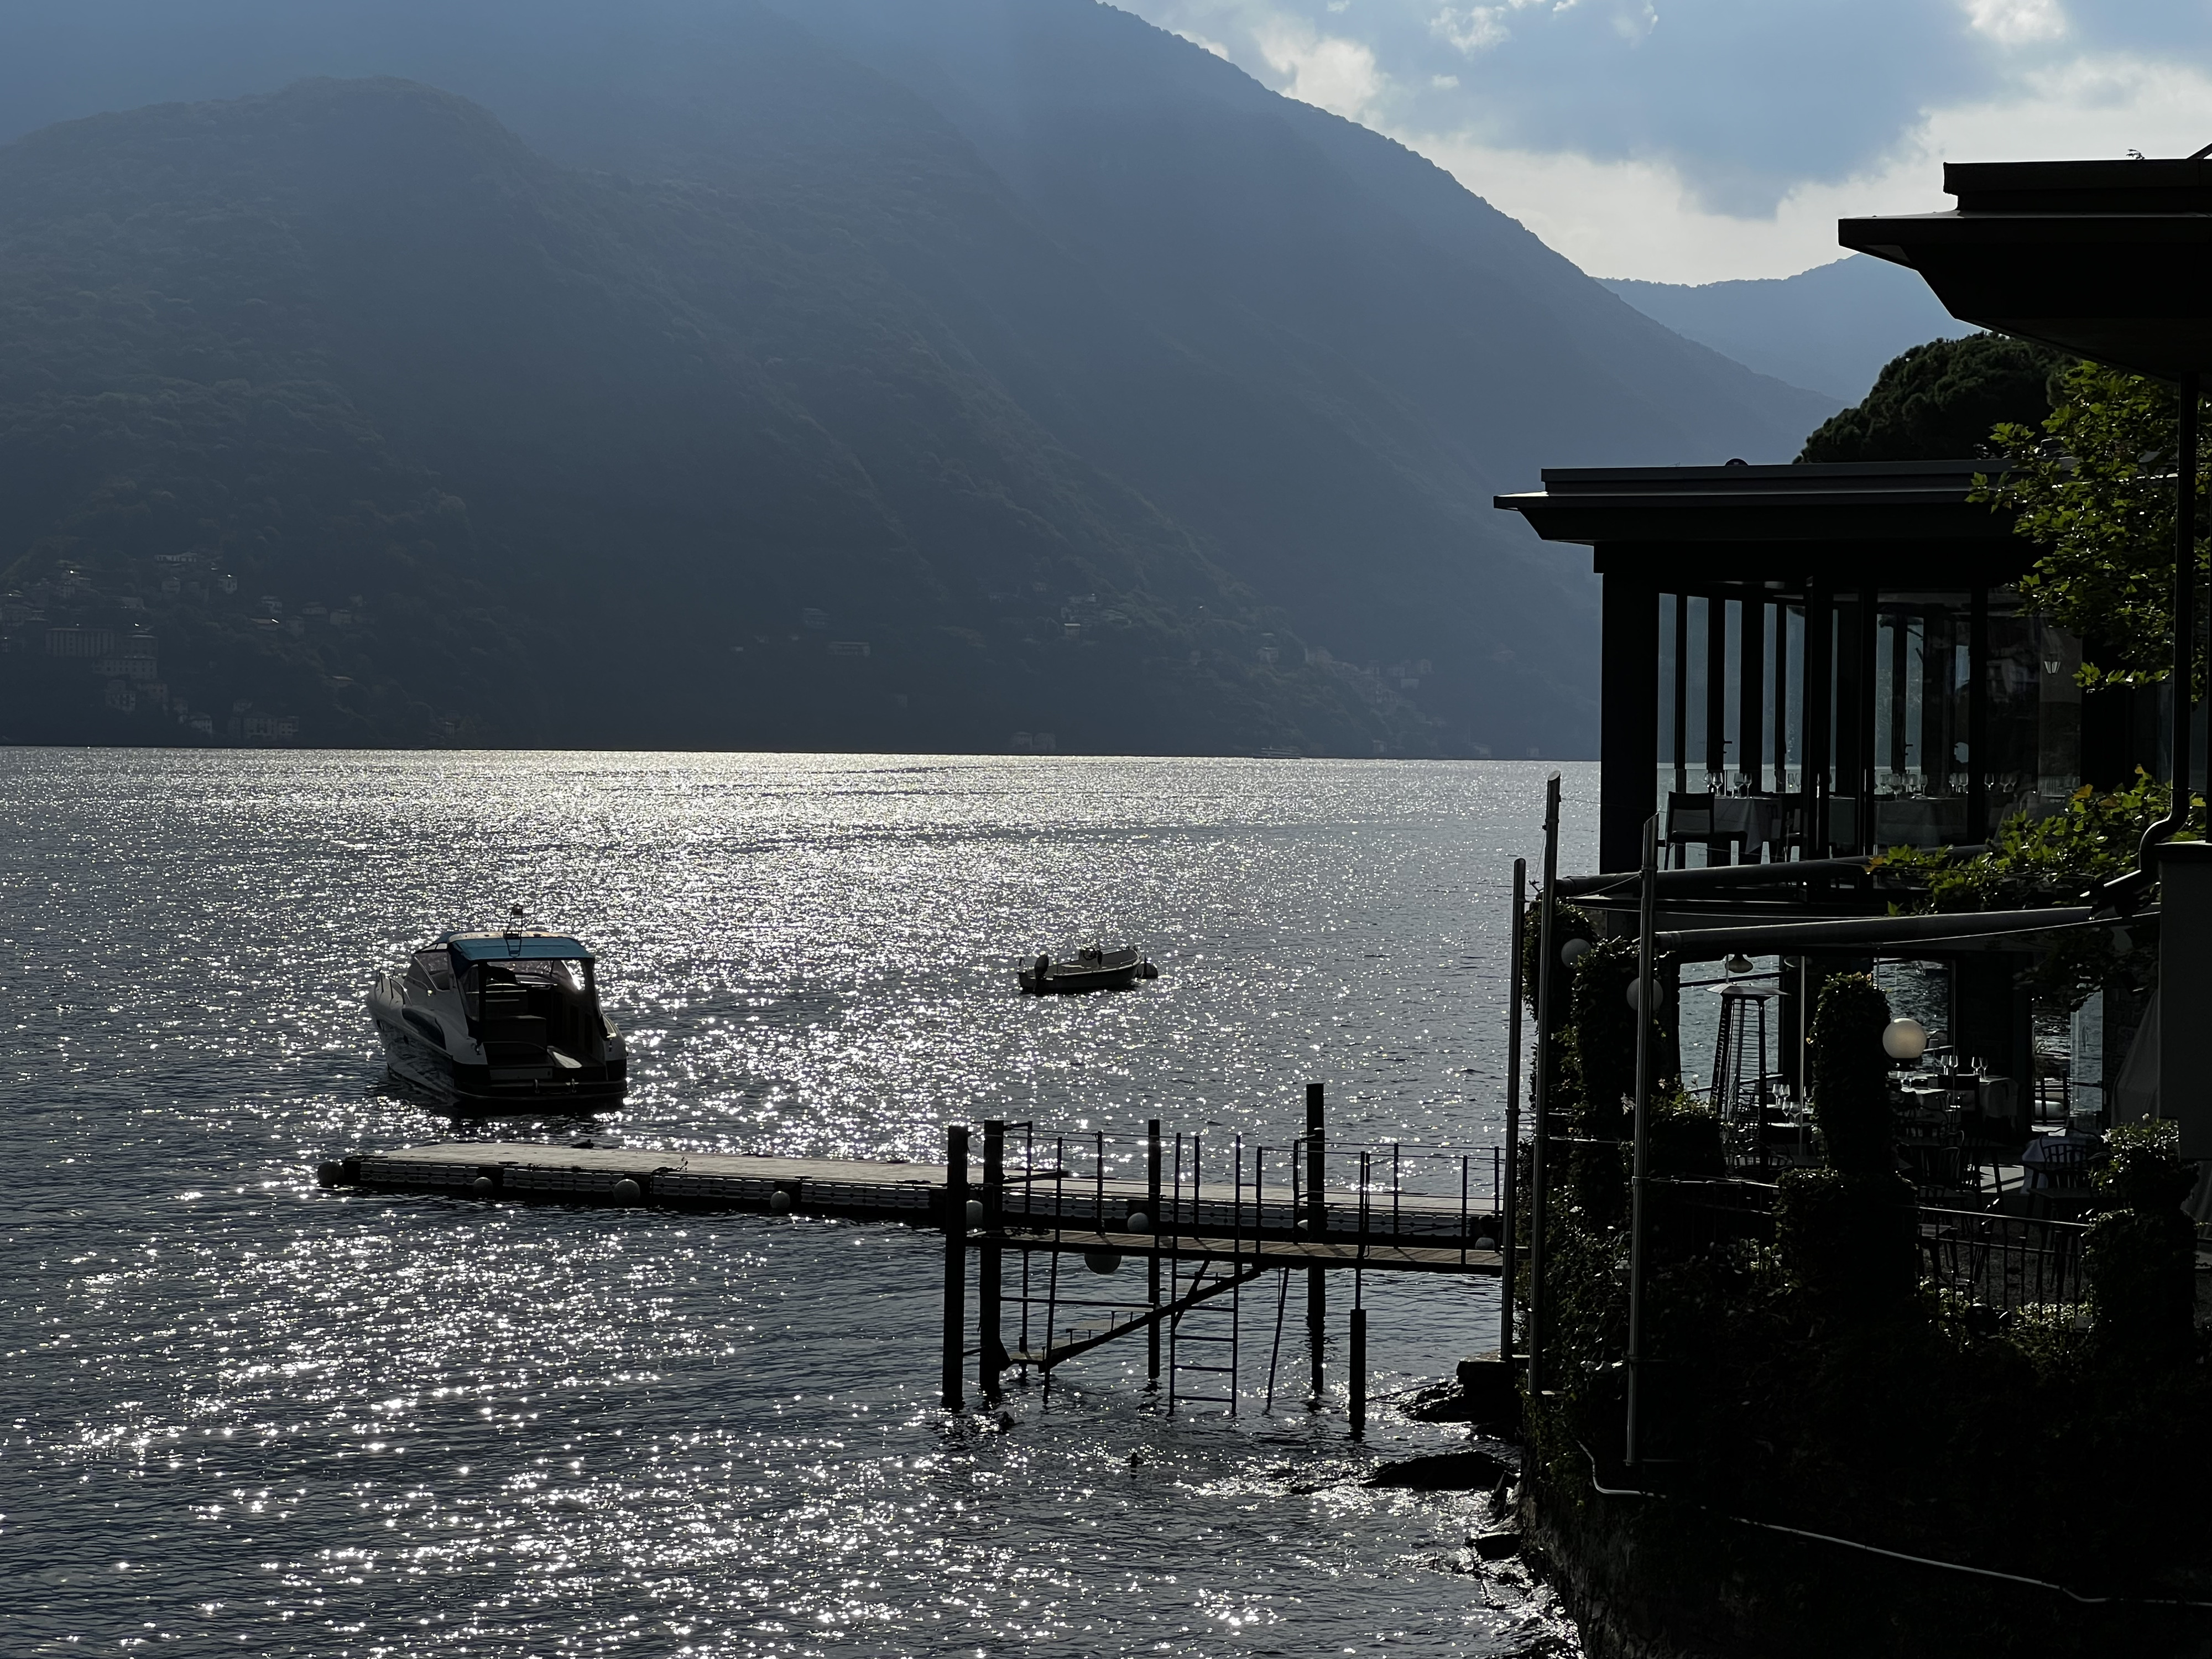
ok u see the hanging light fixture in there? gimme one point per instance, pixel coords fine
(1738, 964)
(1904, 1039)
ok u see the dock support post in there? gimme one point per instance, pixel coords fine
(1547, 971)
(1507, 1242)
(1647, 1006)
(1152, 1263)
(990, 1344)
(1357, 1376)
(1317, 1220)
(956, 1258)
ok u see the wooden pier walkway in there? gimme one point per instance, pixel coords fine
(1090, 1213)
(1348, 1209)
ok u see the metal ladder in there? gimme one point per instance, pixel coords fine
(1203, 1339)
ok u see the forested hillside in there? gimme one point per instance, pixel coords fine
(744, 380)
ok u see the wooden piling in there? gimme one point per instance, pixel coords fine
(956, 1258)
(1509, 1219)
(1357, 1376)
(990, 1344)
(1152, 1263)
(1316, 1219)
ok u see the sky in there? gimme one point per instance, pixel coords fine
(1693, 141)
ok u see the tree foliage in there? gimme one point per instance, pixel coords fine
(2046, 861)
(1939, 402)
(2092, 486)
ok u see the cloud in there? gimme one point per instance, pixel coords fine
(2017, 22)
(1640, 218)
(1472, 28)
(1720, 124)
(1332, 72)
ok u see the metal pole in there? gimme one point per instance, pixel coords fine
(990, 1343)
(1538, 1203)
(956, 1257)
(2185, 602)
(1507, 1244)
(1152, 1264)
(1358, 1373)
(1356, 1377)
(1317, 1220)
(1646, 1002)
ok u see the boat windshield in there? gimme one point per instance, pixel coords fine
(534, 974)
(432, 970)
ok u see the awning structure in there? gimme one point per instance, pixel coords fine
(1948, 934)
(2112, 260)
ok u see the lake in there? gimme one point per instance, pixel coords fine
(243, 1413)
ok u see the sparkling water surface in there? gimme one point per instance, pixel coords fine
(245, 1414)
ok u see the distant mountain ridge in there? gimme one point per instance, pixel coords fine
(1830, 329)
(1082, 384)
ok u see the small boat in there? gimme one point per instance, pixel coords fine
(1091, 968)
(501, 1022)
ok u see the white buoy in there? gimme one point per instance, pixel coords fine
(330, 1174)
(482, 1186)
(626, 1191)
(1485, 1241)
(1103, 1261)
(1140, 1222)
(974, 1211)
(779, 1202)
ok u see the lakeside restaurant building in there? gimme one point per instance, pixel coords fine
(1809, 661)
(1863, 671)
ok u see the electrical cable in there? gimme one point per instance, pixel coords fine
(1876, 1549)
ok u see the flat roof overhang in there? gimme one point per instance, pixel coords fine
(2111, 260)
(1856, 525)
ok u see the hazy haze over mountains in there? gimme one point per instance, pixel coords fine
(620, 374)
(1830, 329)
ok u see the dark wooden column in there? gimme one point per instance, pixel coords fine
(1751, 693)
(1716, 766)
(1814, 711)
(1870, 667)
(1628, 719)
(1851, 694)
(1681, 707)
(1781, 696)
(1977, 718)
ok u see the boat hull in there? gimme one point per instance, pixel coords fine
(1059, 981)
(490, 1089)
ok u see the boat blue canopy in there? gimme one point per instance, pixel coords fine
(517, 947)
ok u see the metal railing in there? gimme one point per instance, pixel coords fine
(2005, 1261)
(1378, 1191)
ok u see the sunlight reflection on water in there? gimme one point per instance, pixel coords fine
(243, 1412)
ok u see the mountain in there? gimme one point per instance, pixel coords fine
(625, 373)
(1830, 329)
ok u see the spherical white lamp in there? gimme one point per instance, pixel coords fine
(1103, 1261)
(1634, 994)
(1574, 950)
(1140, 1222)
(1904, 1039)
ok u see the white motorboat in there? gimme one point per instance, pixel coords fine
(500, 1022)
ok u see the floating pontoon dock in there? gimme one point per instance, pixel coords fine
(1313, 1204)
